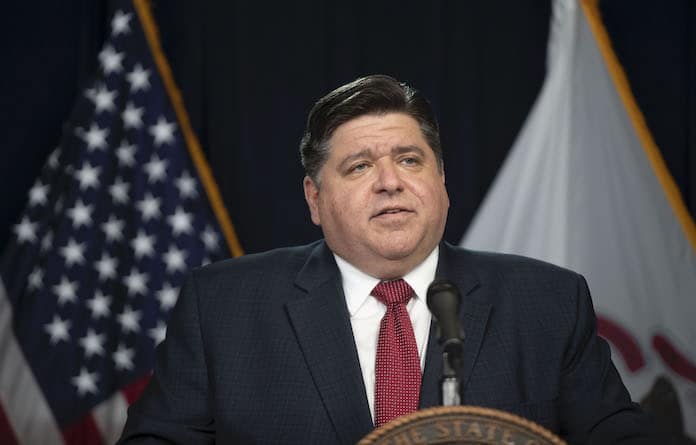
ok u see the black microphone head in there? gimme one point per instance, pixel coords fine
(443, 301)
(442, 297)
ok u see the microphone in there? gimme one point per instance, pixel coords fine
(443, 300)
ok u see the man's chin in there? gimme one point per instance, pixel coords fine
(397, 251)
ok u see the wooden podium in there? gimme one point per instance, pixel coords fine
(461, 425)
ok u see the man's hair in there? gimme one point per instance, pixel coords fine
(371, 95)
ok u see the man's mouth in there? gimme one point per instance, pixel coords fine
(392, 211)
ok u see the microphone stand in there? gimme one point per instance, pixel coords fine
(451, 362)
(444, 300)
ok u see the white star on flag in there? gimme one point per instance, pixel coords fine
(129, 320)
(88, 176)
(119, 191)
(35, 280)
(149, 207)
(167, 296)
(138, 78)
(93, 343)
(99, 305)
(162, 132)
(120, 24)
(95, 137)
(53, 158)
(156, 169)
(123, 357)
(126, 154)
(158, 333)
(106, 266)
(73, 252)
(210, 238)
(102, 98)
(66, 290)
(86, 382)
(180, 222)
(58, 330)
(38, 194)
(81, 214)
(186, 185)
(135, 282)
(132, 116)
(143, 244)
(25, 230)
(111, 60)
(174, 259)
(113, 229)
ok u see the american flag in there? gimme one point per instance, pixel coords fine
(117, 217)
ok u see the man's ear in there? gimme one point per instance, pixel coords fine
(442, 174)
(311, 194)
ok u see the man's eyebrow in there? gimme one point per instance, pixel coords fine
(365, 153)
(407, 149)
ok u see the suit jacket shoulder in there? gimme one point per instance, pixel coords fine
(518, 288)
(286, 261)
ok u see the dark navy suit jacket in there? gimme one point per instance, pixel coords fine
(259, 349)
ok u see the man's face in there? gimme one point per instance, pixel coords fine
(381, 200)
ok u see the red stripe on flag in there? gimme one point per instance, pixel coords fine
(675, 359)
(7, 434)
(132, 392)
(83, 432)
(623, 341)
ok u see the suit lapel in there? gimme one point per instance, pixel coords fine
(473, 315)
(322, 327)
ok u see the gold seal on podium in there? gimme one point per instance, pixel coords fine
(461, 425)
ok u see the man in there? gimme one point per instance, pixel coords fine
(320, 343)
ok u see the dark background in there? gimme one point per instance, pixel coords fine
(250, 71)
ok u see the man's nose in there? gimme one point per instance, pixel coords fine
(388, 178)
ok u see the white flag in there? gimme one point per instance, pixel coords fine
(585, 187)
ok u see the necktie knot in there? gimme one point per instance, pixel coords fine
(390, 292)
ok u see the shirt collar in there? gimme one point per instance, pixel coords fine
(357, 285)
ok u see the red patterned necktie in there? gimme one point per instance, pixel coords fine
(397, 368)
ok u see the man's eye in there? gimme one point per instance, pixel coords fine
(410, 161)
(358, 167)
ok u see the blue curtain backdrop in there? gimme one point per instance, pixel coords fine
(249, 73)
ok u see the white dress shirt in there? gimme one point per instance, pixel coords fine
(366, 313)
